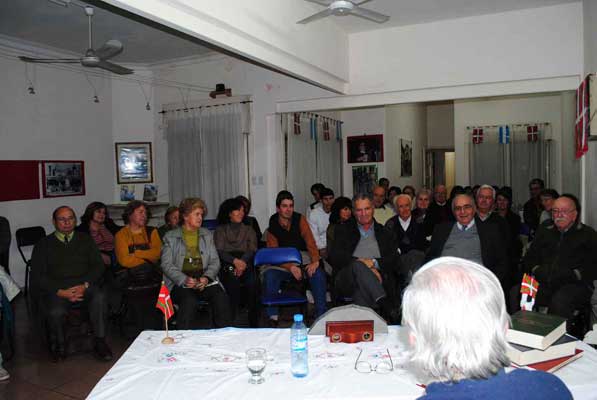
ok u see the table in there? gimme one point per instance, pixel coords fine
(210, 364)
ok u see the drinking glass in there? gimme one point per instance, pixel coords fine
(256, 363)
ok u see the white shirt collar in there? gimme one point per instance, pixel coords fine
(466, 228)
(405, 224)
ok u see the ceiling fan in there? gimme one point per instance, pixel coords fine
(92, 58)
(342, 8)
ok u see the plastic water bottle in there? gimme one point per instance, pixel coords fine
(299, 354)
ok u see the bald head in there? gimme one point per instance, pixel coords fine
(440, 194)
(379, 196)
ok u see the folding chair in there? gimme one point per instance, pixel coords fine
(277, 256)
(28, 237)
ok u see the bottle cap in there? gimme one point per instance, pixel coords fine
(298, 317)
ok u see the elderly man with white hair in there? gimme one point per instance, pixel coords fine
(456, 317)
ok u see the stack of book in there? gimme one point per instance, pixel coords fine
(539, 341)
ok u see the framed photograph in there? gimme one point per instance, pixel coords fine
(134, 162)
(63, 178)
(365, 149)
(364, 179)
(406, 157)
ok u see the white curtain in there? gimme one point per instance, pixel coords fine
(329, 158)
(529, 160)
(301, 170)
(207, 153)
(488, 159)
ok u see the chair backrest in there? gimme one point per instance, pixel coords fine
(210, 224)
(277, 256)
(28, 237)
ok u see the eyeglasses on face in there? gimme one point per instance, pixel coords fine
(466, 207)
(383, 367)
(556, 211)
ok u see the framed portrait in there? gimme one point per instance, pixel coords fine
(134, 163)
(365, 149)
(406, 157)
(364, 179)
(63, 178)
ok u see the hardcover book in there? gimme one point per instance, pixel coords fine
(523, 355)
(536, 330)
(554, 365)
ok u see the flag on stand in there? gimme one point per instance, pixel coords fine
(528, 288)
(583, 118)
(164, 302)
(504, 134)
(532, 133)
(477, 135)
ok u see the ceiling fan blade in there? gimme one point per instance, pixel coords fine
(115, 68)
(324, 3)
(360, 3)
(50, 60)
(315, 17)
(370, 15)
(110, 49)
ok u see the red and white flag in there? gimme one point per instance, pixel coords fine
(164, 302)
(583, 118)
(528, 288)
(532, 133)
(477, 135)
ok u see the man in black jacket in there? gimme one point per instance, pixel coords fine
(66, 269)
(364, 261)
(469, 238)
(563, 259)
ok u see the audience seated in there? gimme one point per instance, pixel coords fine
(503, 208)
(383, 212)
(455, 314)
(439, 209)
(547, 196)
(409, 190)
(393, 191)
(236, 244)
(410, 236)
(191, 266)
(341, 213)
(97, 223)
(485, 201)
(470, 239)
(251, 221)
(316, 192)
(171, 218)
(421, 212)
(67, 269)
(363, 256)
(290, 229)
(563, 259)
(319, 219)
(533, 208)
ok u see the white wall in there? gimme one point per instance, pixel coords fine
(59, 122)
(590, 65)
(370, 121)
(509, 110)
(520, 45)
(266, 88)
(590, 35)
(440, 126)
(405, 121)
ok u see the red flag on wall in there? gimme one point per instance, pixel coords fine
(477, 135)
(297, 123)
(532, 133)
(583, 119)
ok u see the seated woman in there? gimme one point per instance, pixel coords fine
(97, 223)
(341, 213)
(455, 315)
(251, 221)
(503, 202)
(420, 214)
(236, 244)
(171, 221)
(409, 190)
(191, 265)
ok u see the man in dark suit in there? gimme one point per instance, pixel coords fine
(471, 239)
(364, 260)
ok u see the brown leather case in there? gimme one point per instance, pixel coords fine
(349, 331)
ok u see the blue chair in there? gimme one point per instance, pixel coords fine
(278, 256)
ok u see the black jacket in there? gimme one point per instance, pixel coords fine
(493, 253)
(346, 239)
(411, 239)
(557, 255)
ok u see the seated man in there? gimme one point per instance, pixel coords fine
(563, 259)
(66, 268)
(364, 260)
(470, 239)
(410, 235)
(383, 212)
(319, 219)
(290, 229)
(456, 318)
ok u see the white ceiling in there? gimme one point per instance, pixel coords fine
(410, 12)
(42, 22)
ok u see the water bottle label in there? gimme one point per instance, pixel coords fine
(299, 345)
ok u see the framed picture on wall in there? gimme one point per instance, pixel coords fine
(406, 157)
(63, 178)
(134, 162)
(365, 148)
(364, 179)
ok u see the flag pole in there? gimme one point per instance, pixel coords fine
(167, 339)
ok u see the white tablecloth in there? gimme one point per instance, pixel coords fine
(210, 364)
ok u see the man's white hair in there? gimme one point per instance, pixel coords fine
(487, 187)
(455, 311)
(402, 196)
